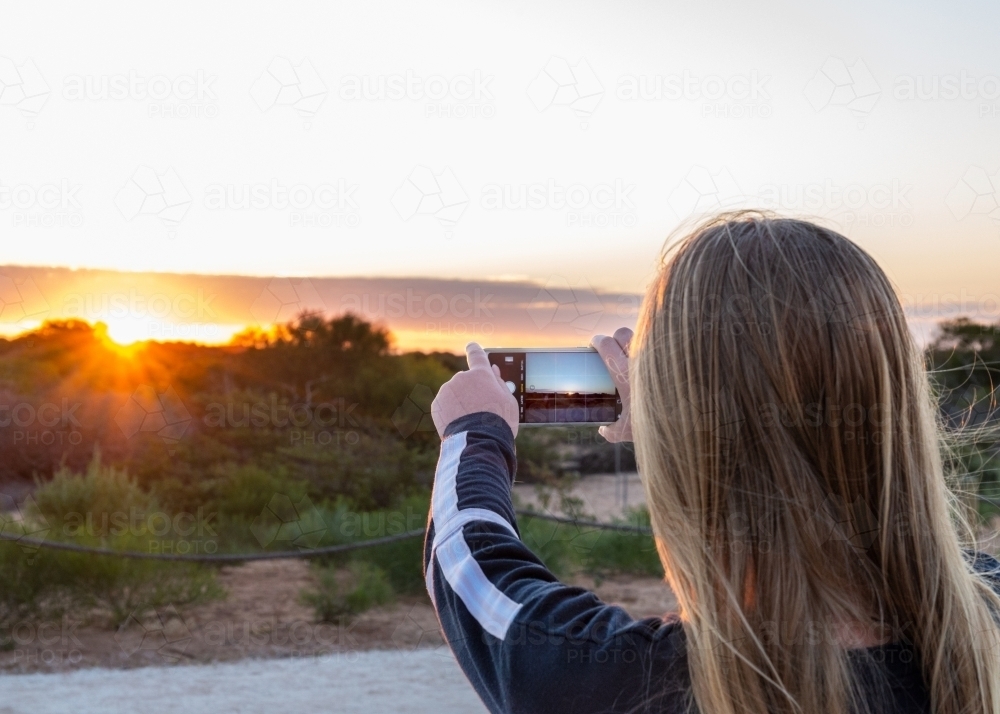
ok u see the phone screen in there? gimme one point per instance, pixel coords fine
(559, 386)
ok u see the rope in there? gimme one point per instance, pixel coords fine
(278, 555)
(214, 557)
(318, 552)
(620, 527)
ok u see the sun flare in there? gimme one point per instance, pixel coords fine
(126, 332)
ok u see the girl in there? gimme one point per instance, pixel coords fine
(788, 447)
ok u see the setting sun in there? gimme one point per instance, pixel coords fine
(127, 331)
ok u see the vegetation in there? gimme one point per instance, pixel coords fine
(337, 596)
(965, 365)
(314, 434)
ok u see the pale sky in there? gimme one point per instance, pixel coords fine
(819, 108)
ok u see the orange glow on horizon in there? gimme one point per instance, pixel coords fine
(127, 334)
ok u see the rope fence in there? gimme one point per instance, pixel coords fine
(225, 558)
(213, 557)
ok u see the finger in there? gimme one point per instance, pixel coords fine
(611, 433)
(496, 373)
(606, 347)
(476, 356)
(623, 336)
(614, 359)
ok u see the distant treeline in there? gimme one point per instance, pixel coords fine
(315, 399)
(319, 401)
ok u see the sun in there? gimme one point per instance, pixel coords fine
(125, 332)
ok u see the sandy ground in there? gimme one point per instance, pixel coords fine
(419, 682)
(604, 496)
(261, 617)
(260, 650)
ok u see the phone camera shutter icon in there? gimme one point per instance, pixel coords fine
(512, 387)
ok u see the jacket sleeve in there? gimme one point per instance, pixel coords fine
(527, 642)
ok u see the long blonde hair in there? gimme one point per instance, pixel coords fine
(788, 444)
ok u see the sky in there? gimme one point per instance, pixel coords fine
(523, 144)
(576, 372)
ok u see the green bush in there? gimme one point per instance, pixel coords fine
(566, 549)
(47, 584)
(612, 552)
(102, 508)
(340, 594)
(86, 504)
(33, 588)
(401, 561)
(123, 586)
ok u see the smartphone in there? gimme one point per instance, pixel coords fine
(566, 386)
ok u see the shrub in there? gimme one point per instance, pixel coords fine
(623, 552)
(341, 594)
(566, 548)
(87, 502)
(33, 588)
(102, 508)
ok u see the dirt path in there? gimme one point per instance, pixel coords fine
(418, 682)
(261, 617)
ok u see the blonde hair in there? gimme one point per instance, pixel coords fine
(788, 444)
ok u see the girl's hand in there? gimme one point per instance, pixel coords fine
(479, 389)
(614, 352)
